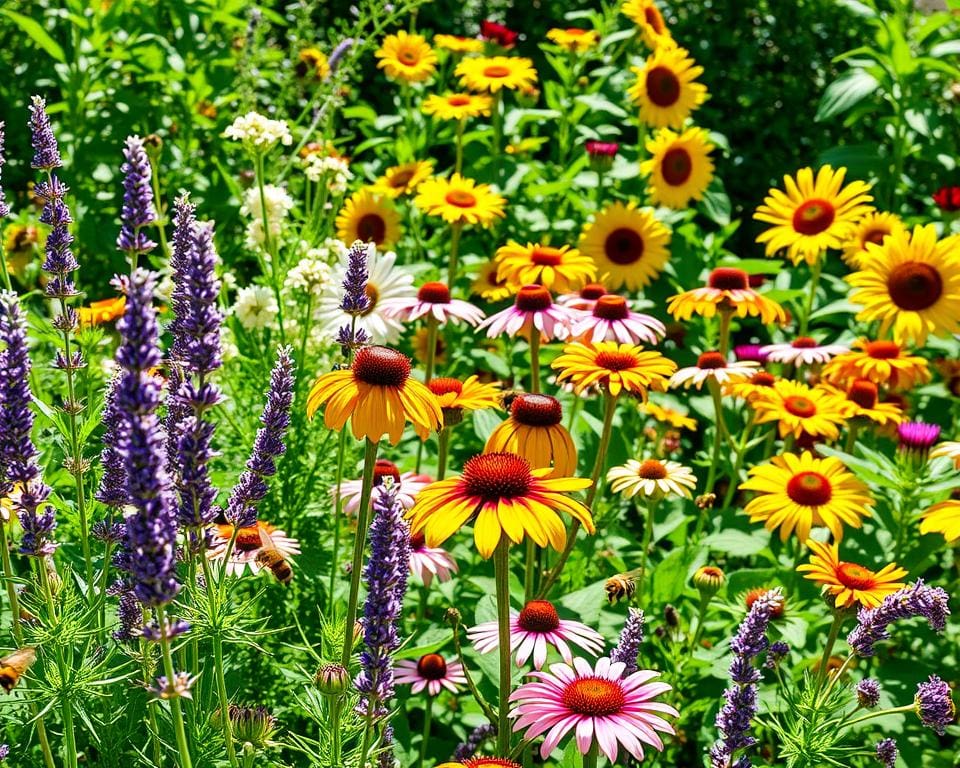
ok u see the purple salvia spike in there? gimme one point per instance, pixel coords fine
(631, 637)
(46, 154)
(138, 209)
(112, 490)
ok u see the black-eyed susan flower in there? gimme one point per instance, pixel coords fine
(312, 62)
(911, 284)
(377, 394)
(489, 74)
(862, 400)
(942, 518)
(798, 493)
(651, 479)
(679, 168)
(799, 409)
(727, 289)
(803, 350)
(573, 39)
(534, 431)
(750, 389)
(505, 498)
(457, 106)
(850, 584)
(646, 15)
(402, 179)
(615, 367)
(561, 269)
(487, 285)
(406, 57)
(471, 394)
(369, 218)
(713, 366)
(459, 200)
(873, 228)
(813, 215)
(881, 361)
(458, 44)
(628, 245)
(666, 89)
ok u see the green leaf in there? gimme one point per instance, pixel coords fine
(946, 48)
(716, 205)
(738, 543)
(849, 89)
(599, 103)
(38, 34)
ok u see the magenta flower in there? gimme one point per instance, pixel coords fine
(533, 308)
(611, 319)
(406, 485)
(432, 672)
(531, 630)
(427, 562)
(597, 704)
(432, 299)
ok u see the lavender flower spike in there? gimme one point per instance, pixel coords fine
(151, 529)
(267, 446)
(46, 154)
(628, 647)
(887, 752)
(113, 483)
(915, 600)
(355, 300)
(138, 210)
(386, 578)
(474, 741)
(4, 207)
(934, 704)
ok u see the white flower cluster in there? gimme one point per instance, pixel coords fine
(255, 307)
(259, 133)
(310, 274)
(278, 204)
(334, 170)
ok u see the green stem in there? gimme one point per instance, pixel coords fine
(432, 329)
(444, 445)
(828, 648)
(218, 666)
(337, 511)
(881, 713)
(852, 430)
(738, 464)
(530, 569)
(176, 713)
(161, 221)
(593, 755)
(455, 230)
(461, 124)
(701, 617)
(3, 266)
(815, 271)
(335, 737)
(647, 541)
(471, 685)
(501, 568)
(69, 737)
(725, 316)
(427, 722)
(719, 428)
(534, 361)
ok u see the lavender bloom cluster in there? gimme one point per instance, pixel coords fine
(868, 693)
(386, 578)
(4, 207)
(628, 646)
(46, 153)
(934, 704)
(20, 475)
(138, 209)
(355, 300)
(741, 699)
(112, 490)
(475, 740)
(887, 752)
(918, 599)
(267, 446)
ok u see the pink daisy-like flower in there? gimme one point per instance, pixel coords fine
(598, 703)
(712, 365)
(803, 351)
(432, 672)
(406, 484)
(531, 630)
(533, 308)
(427, 562)
(249, 544)
(585, 300)
(433, 299)
(612, 320)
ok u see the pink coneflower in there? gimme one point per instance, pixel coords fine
(531, 630)
(432, 299)
(612, 320)
(603, 148)
(712, 365)
(427, 562)
(249, 544)
(585, 300)
(533, 308)
(407, 485)
(752, 352)
(596, 703)
(803, 351)
(432, 672)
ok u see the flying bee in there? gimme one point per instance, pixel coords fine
(14, 665)
(620, 587)
(272, 559)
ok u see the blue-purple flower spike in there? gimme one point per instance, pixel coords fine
(46, 153)
(355, 300)
(915, 600)
(138, 210)
(631, 637)
(112, 490)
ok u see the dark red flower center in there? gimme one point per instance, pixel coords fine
(677, 166)
(915, 286)
(539, 616)
(434, 293)
(611, 307)
(763, 379)
(711, 361)
(371, 228)
(545, 256)
(460, 198)
(875, 235)
(809, 489)
(813, 216)
(592, 291)
(458, 100)
(855, 576)
(623, 246)
(533, 298)
(248, 539)
(383, 469)
(654, 19)
(418, 540)
(593, 697)
(408, 56)
(432, 666)
(401, 178)
(803, 342)
(615, 360)
(651, 469)
(536, 410)
(728, 279)
(495, 476)
(882, 350)
(381, 366)
(800, 406)
(489, 762)
(863, 393)
(663, 86)
(444, 386)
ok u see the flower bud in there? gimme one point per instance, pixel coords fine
(709, 579)
(332, 680)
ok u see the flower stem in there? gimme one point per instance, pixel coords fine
(471, 685)
(530, 570)
(725, 316)
(501, 567)
(811, 295)
(459, 164)
(828, 648)
(647, 541)
(183, 747)
(534, 361)
(337, 511)
(360, 540)
(881, 713)
(443, 438)
(427, 722)
(218, 666)
(455, 229)
(719, 428)
(592, 756)
(432, 328)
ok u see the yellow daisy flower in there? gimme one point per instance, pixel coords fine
(369, 218)
(679, 166)
(102, 311)
(628, 245)
(615, 367)
(666, 88)
(459, 200)
(669, 416)
(849, 583)
(457, 44)
(873, 228)
(457, 396)
(406, 57)
(402, 179)
(457, 106)
(653, 29)
(491, 73)
(813, 215)
(911, 284)
(534, 430)
(942, 518)
(882, 362)
(862, 400)
(573, 39)
(313, 61)
(799, 409)
(561, 270)
(488, 286)
(756, 386)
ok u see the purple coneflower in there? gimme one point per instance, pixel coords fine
(427, 562)
(533, 309)
(611, 319)
(803, 351)
(432, 673)
(433, 300)
(405, 486)
(917, 438)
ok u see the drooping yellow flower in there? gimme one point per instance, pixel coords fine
(369, 218)
(560, 270)
(406, 57)
(849, 583)
(862, 400)
(457, 106)
(491, 73)
(488, 286)
(728, 289)
(880, 361)
(942, 518)
(314, 62)
(534, 431)
(666, 89)
(402, 179)
(872, 228)
(102, 311)
(613, 366)
(459, 200)
(679, 168)
(573, 39)
(456, 396)
(457, 44)
(669, 416)
(797, 493)
(911, 284)
(813, 215)
(628, 245)
(799, 409)
(653, 29)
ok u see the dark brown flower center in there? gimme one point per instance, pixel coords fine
(875, 235)
(654, 19)
(813, 216)
(623, 246)
(381, 366)
(728, 279)
(592, 291)
(651, 469)
(803, 342)
(763, 379)
(915, 286)
(545, 256)
(401, 178)
(611, 307)
(711, 361)
(593, 697)
(432, 666)
(863, 393)
(615, 360)
(383, 469)
(533, 298)
(434, 293)
(418, 540)
(495, 476)
(676, 167)
(882, 350)
(536, 410)
(663, 86)
(809, 489)
(539, 616)
(371, 228)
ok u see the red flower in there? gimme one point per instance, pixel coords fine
(497, 33)
(604, 148)
(947, 199)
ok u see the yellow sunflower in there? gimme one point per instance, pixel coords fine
(459, 200)
(872, 228)
(402, 179)
(679, 166)
(457, 106)
(911, 284)
(488, 286)
(797, 493)
(457, 44)
(942, 518)
(649, 20)
(491, 73)
(666, 89)
(615, 367)
(561, 270)
(880, 361)
(573, 39)
(406, 57)
(628, 245)
(369, 218)
(813, 215)
(535, 432)
(849, 583)
(799, 409)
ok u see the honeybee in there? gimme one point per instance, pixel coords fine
(272, 559)
(14, 665)
(620, 587)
